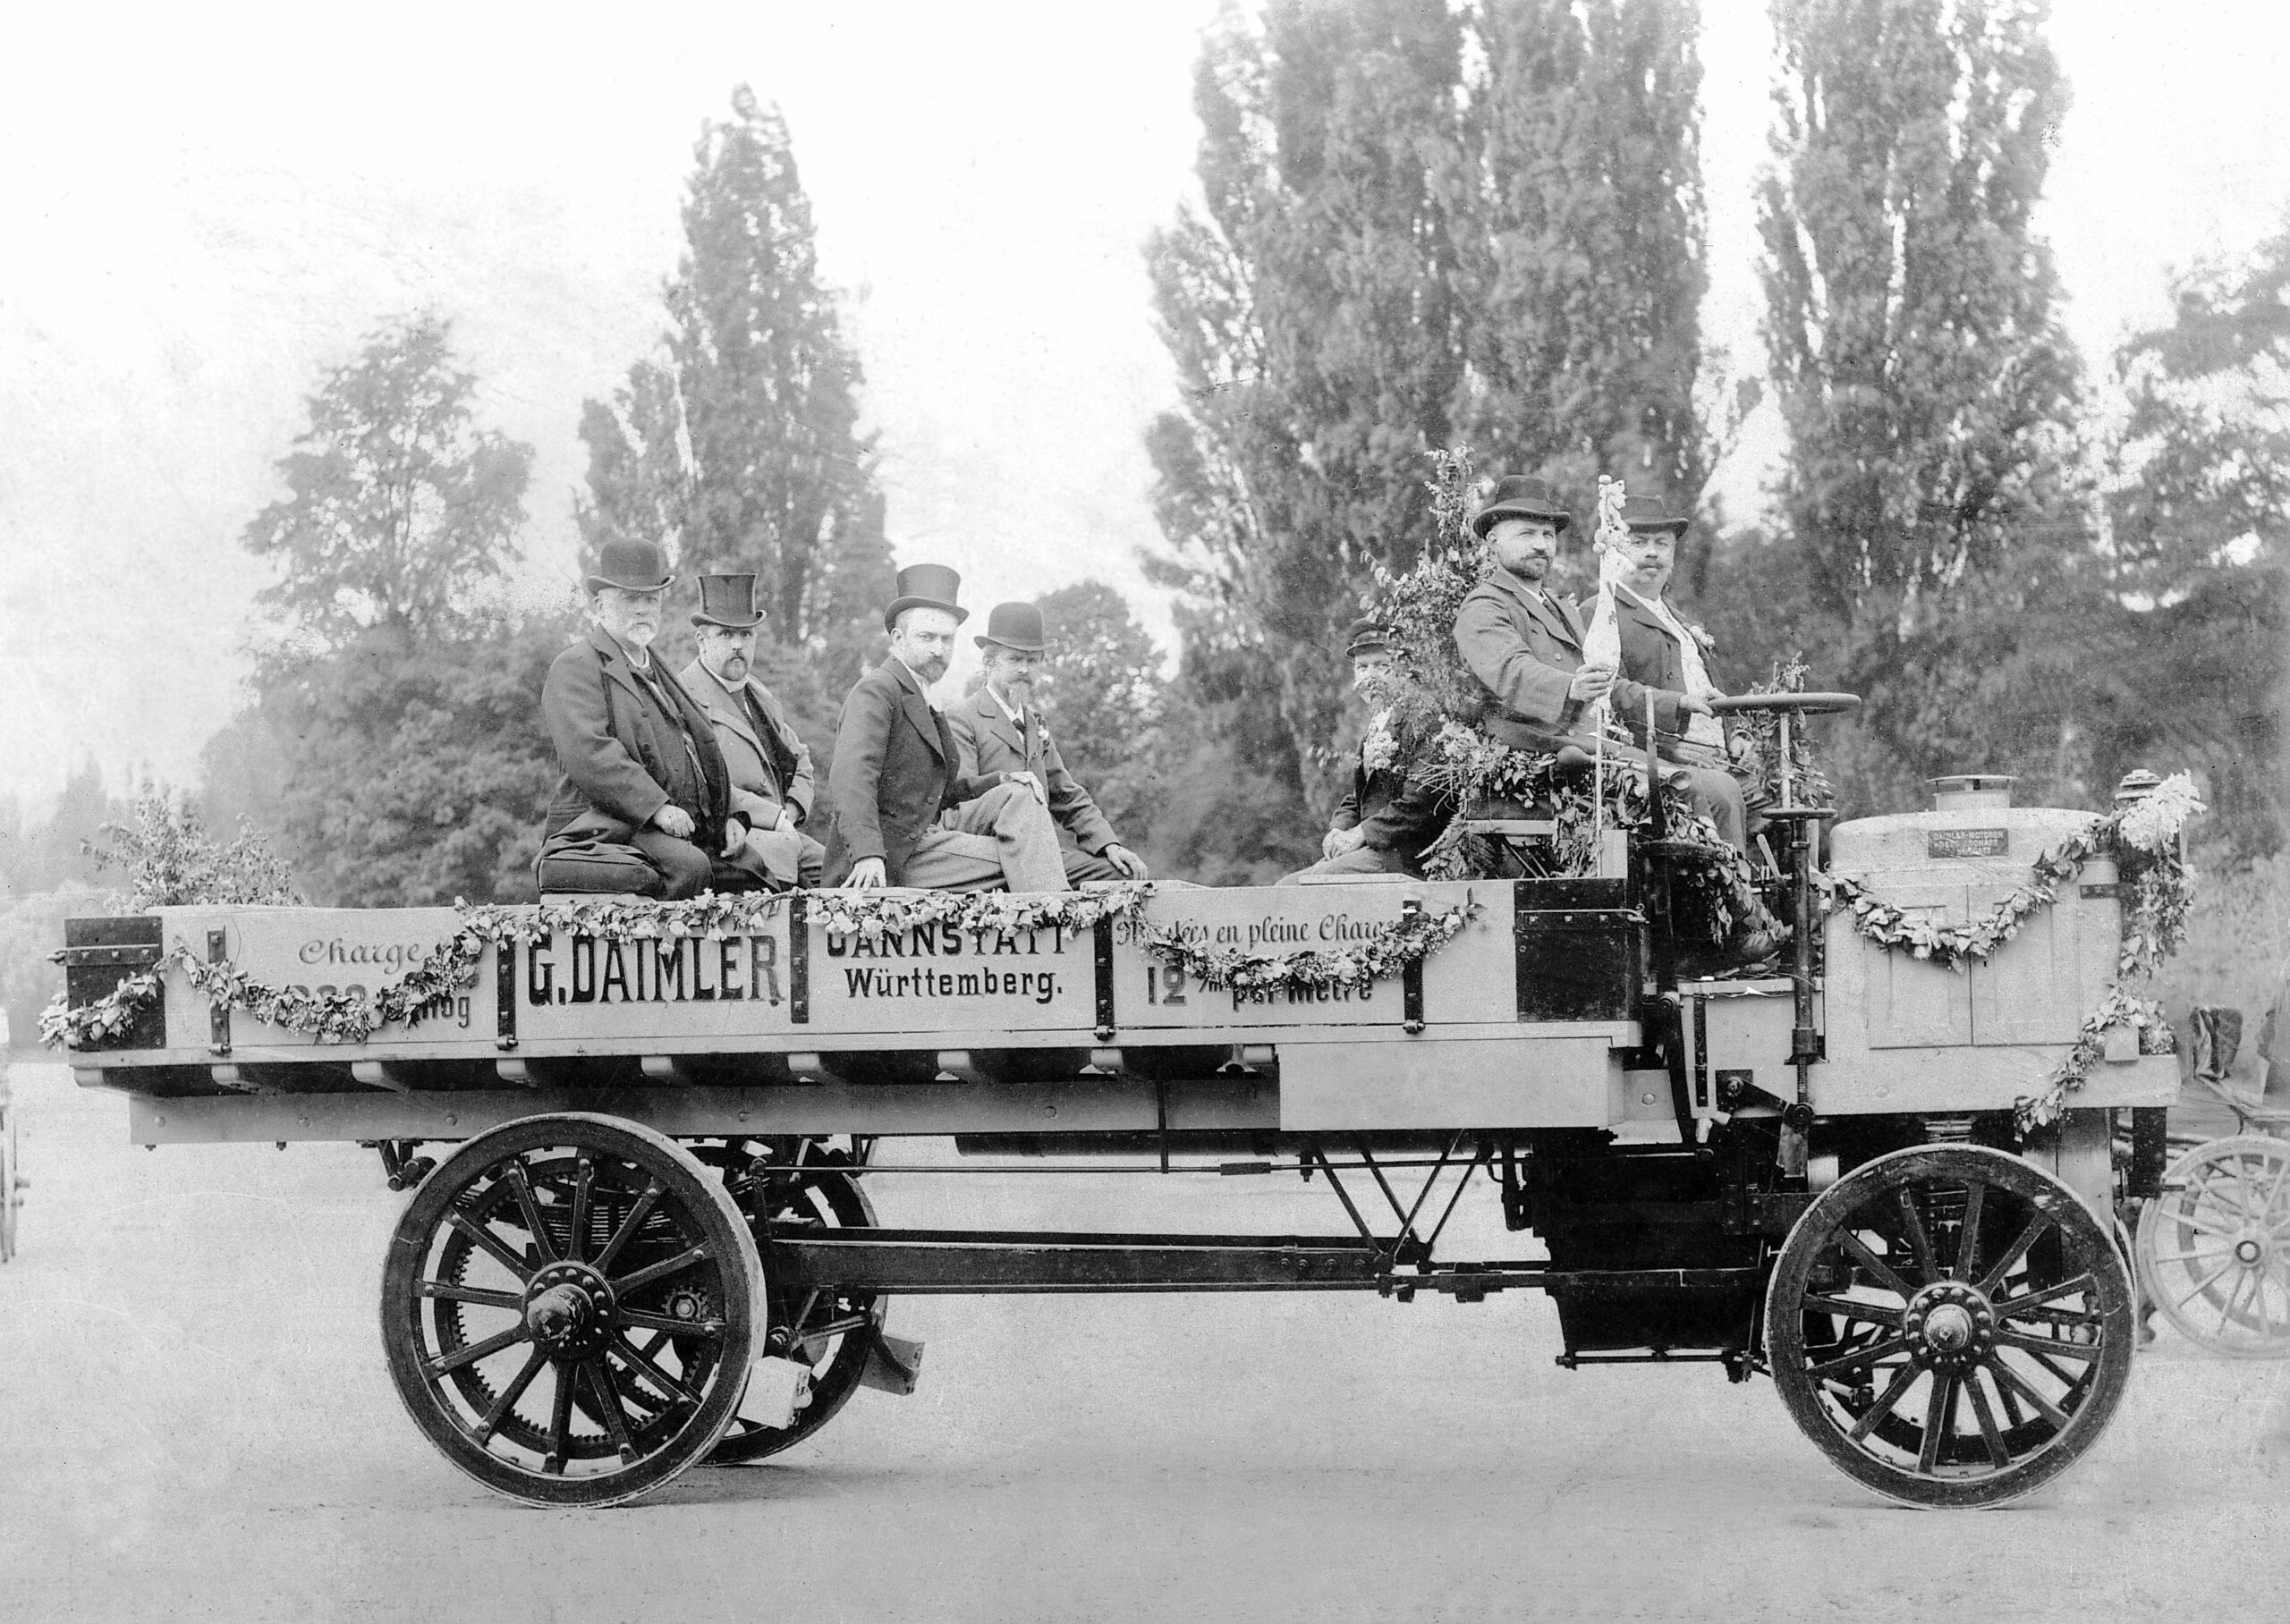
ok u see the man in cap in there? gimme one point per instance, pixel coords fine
(644, 801)
(1391, 815)
(903, 813)
(1662, 651)
(998, 730)
(769, 764)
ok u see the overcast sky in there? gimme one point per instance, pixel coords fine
(201, 210)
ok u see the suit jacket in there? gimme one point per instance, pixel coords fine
(1525, 654)
(1653, 656)
(990, 742)
(896, 767)
(615, 743)
(767, 771)
(1393, 809)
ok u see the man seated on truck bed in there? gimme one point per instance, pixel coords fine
(644, 802)
(903, 813)
(1392, 813)
(769, 764)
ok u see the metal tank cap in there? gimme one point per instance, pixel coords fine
(1963, 791)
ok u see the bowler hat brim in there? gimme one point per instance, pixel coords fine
(1037, 646)
(591, 583)
(1486, 518)
(1676, 527)
(900, 606)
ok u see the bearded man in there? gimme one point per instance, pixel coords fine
(769, 764)
(1000, 731)
(643, 804)
(1391, 815)
(903, 812)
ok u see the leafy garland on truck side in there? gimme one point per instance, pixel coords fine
(354, 1017)
(2143, 839)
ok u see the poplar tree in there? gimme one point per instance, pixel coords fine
(739, 442)
(1927, 387)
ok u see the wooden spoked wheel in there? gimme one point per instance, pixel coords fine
(1951, 1326)
(570, 1305)
(830, 1332)
(2214, 1248)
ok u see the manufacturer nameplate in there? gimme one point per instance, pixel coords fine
(1967, 842)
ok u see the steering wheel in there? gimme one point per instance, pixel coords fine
(1802, 705)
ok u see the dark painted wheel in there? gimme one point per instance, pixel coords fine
(570, 1305)
(1950, 1326)
(831, 1333)
(2214, 1246)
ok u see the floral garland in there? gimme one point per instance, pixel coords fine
(1387, 950)
(354, 1017)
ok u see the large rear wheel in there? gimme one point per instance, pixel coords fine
(570, 1305)
(1950, 1326)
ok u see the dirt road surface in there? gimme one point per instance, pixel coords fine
(197, 1426)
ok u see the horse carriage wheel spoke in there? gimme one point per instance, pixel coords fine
(1939, 1414)
(506, 1399)
(1997, 1454)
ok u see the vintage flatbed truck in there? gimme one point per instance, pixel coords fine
(655, 1240)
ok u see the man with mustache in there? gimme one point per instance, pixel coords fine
(644, 801)
(769, 764)
(904, 812)
(999, 730)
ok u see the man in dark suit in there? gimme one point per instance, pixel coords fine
(769, 764)
(903, 813)
(1525, 646)
(1391, 814)
(1660, 650)
(998, 730)
(644, 802)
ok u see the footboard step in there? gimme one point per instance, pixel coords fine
(893, 1365)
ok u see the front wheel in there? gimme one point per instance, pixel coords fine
(1950, 1326)
(570, 1305)
(2214, 1246)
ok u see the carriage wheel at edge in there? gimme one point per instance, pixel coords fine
(1950, 1326)
(570, 1305)
(2214, 1246)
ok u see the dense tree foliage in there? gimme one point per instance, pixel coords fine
(399, 509)
(400, 706)
(1418, 227)
(1929, 391)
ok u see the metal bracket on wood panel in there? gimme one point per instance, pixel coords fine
(380, 1074)
(218, 1013)
(671, 1069)
(799, 962)
(505, 1000)
(1411, 976)
(960, 1066)
(1103, 942)
(810, 1067)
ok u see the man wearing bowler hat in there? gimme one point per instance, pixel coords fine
(769, 764)
(1392, 813)
(644, 802)
(903, 812)
(998, 730)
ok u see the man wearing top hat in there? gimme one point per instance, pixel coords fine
(644, 801)
(1662, 651)
(769, 764)
(903, 812)
(998, 730)
(1391, 815)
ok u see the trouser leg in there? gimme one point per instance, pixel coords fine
(685, 869)
(948, 860)
(1360, 859)
(1024, 835)
(1719, 795)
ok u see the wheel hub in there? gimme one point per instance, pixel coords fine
(569, 1310)
(2251, 1250)
(1948, 1325)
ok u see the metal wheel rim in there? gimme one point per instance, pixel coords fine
(574, 1408)
(1897, 1381)
(2214, 1248)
